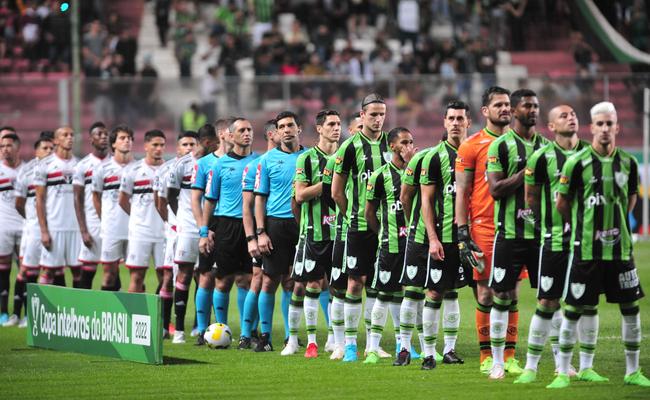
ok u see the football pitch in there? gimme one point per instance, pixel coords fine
(198, 372)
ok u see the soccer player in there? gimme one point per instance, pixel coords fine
(598, 187)
(475, 204)
(516, 240)
(356, 124)
(277, 231)
(114, 226)
(30, 243)
(357, 158)
(223, 199)
(542, 180)
(87, 217)
(54, 200)
(146, 227)
(382, 197)
(317, 220)
(11, 228)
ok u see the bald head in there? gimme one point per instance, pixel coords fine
(562, 120)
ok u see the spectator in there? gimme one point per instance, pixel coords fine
(583, 54)
(408, 21)
(127, 48)
(193, 118)
(408, 65)
(211, 86)
(384, 67)
(162, 20)
(184, 52)
(323, 41)
(516, 9)
(147, 87)
(93, 48)
(263, 13)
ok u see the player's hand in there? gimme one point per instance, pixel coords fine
(87, 239)
(435, 250)
(407, 152)
(264, 244)
(210, 241)
(253, 249)
(468, 250)
(204, 246)
(46, 240)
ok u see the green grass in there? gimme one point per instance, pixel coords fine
(202, 373)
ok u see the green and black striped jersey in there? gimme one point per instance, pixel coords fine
(358, 158)
(544, 169)
(341, 227)
(438, 169)
(384, 189)
(508, 153)
(412, 174)
(599, 188)
(317, 215)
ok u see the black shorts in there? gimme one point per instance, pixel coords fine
(509, 258)
(444, 275)
(553, 266)
(230, 248)
(283, 233)
(415, 267)
(588, 279)
(360, 253)
(206, 261)
(338, 277)
(387, 272)
(317, 260)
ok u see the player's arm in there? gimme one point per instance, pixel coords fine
(80, 211)
(172, 199)
(206, 242)
(41, 213)
(97, 188)
(197, 206)
(407, 192)
(248, 218)
(126, 189)
(97, 203)
(567, 188)
(344, 160)
(501, 187)
(296, 210)
(161, 205)
(533, 196)
(370, 213)
(563, 205)
(20, 205)
(263, 240)
(633, 186)
(431, 171)
(306, 192)
(173, 186)
(466, 246)
(124, 200)
(374, 192)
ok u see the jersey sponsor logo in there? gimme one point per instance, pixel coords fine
(499, 274)
(195, 169)
(492, 159)
(620, 178)
(608, 237)
(327, 172)
(338, 160)
(336, 273)
(577, 290)
(435, 274)
(546, 283)
(309, 265)
(403, 231)
(369, 187)
(423, 172)
(258, 176)
(595, 200)
(411, 271)
(409, 172)
(329, 220)
(351, 262)
(396, 206)
(384, 276)
(628, 279)
(564, 180)
(526, 214)
(364, 176)
(450, 189)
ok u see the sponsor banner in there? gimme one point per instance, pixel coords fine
(114, 324)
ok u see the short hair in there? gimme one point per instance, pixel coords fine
(154, 133)
(355, 115)
(604, 107)
(188, 134)
(11, 136)
(519, 94)
(207, 131)
(269, 126)
(393, 134)
(457, 105)
(323, 114)
(8, 128)
(233, 120)
(112, 137)
(490, 92)
(48, 135)
(287, 114)
(41, 140)
(372, 98)
(97, 124)
(221, 123)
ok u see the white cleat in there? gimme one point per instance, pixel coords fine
(572, 371)
(194, 333)
(497, 372)
(338, 353)
(330, 347)
(383, 353)
(289, 349)
(12, 321)
(23, 323)
(179, 337)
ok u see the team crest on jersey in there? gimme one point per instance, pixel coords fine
(298, 268)
(499, 274)
(564, 180)
(435, 274)
(384, 276)
(338, 160)
(351, 262)
(620, 178)
(411, 271)
(492, 159)
(577, 290)
(388, 156)
(546, 283)
(336, 274)
(327, 172)
(309, 265)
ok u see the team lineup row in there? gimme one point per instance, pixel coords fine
(373, 212)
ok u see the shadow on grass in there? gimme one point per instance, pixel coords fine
(180, 361)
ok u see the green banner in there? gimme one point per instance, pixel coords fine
(114, 324)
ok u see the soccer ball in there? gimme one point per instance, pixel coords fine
(218, 336)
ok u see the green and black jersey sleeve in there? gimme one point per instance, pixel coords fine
(384, 189)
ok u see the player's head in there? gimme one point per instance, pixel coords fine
(398, 139)
(241, 132)
(6, 130)
(186, 142)
(64, 138)
(154, 144)
(9, 147)
(288, 126)
(328, 125)
(221, 125)
(373, 113)
(604, 123)
(496, 106)
(355, 124)
(98, 136)
(525, 106)
(208, 138)
(562, 120)
(43, 147)
(271, 132)
(457, 120)
(121, 139)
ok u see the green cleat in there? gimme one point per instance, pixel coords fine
(486, 365)
(636, 378)
(512, 366)
(371, 358)
(561, 381)
(528, 376)
(589, 375)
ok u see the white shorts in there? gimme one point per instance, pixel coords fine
(64, 250)
(113, 250)
(91, 255)
(30, 250)
(187, 250)
(10, 242)
(140, 252)
(170, 250)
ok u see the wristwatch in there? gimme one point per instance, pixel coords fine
(259, 231)
(250, 238)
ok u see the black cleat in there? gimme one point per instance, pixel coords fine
(200, 340)
(264, 344)
(255, 337)
(452, 358)
(428, 363)
(244, 343)
(403, 358)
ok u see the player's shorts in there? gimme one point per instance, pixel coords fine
(619, 281)
(140, 252)
(338, 277)
(509, 258)
(91, 255)
(552, 272)
(187, 249)
(10, 242)
(113, 250)
(298, 259)
(388, 268)
(64, 250)
(316, 262)
(30, 250)
(416, 265)
(361, 253)
(231, 249)
(444, 275)
(206, 261)
(283, 233)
